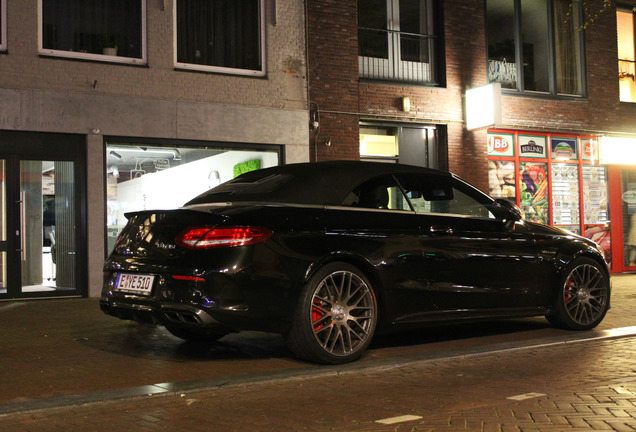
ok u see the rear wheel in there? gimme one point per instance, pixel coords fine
(195, 336)
(336, 316)
(584, 296)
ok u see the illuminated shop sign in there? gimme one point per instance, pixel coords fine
(590, 149)
(533, 146)
(501, 144)
(483, 106)
(618, 151)
(564, 148)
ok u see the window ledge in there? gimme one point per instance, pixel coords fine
(537, 95)
(219, 71)
(94, 58)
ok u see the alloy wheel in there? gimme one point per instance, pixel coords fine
(585, 294)
(343, 313)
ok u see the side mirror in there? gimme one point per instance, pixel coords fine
(508, 212)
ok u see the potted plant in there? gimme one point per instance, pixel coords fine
(109, 45)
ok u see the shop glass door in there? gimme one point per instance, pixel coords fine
(628, 194)
(47, 226)
(38, 228)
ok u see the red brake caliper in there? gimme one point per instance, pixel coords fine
(316, 314)
(566, 295)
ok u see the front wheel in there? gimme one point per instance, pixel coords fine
(584, 297)
(336, 316)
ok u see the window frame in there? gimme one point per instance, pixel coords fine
(220, 69)
(3, 25)
(97, 57)
(552, 55)
(394, 67)
(632, 62)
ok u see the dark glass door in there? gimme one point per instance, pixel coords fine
(41, 197)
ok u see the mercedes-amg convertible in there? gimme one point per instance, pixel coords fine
(327, 253)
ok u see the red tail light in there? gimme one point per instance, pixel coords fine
(208, 237)
(188, 278)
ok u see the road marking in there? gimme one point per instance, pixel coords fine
(526, 396)
(399, 419)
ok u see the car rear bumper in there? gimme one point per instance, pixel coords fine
(156, 312)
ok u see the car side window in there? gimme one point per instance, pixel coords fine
(441, 194)
(379, 193)
(463, 204)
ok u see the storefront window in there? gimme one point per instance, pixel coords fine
(111, 30)
(555, 180)
(142, 176)
(534, 191)
(628, 190)
(596, 222)
(502, 179)
(565, 197)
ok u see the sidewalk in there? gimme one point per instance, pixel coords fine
(63, 352)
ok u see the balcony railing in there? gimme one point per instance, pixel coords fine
(396, 56)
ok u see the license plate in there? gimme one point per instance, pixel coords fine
(134, 283)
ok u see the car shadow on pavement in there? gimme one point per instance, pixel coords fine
(516, 328)
(155, 343)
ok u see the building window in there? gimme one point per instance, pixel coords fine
(3, 25)
(107, 30)
(224, 36)
(626, 57)
(536, 47)
(397, 40)
(405, 143)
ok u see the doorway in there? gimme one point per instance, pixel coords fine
(41, 201)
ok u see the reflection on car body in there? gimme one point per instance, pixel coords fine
(329, 253)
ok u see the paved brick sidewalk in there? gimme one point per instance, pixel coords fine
(568, 387)
(67, 347)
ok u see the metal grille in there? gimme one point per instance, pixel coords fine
(394, 55)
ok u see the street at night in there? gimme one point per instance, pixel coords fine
(95, 373)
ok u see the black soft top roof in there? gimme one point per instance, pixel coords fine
(324, 183)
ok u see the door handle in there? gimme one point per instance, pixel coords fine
(440, 230)
(22, 249)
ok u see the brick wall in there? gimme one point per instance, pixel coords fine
(333, 76)
(344, 99)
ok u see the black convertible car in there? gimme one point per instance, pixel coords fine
(324, 253)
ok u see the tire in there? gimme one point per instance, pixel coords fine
(584, 296)
(195, 336)
(336, 316)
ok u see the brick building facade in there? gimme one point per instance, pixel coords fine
(344, 99)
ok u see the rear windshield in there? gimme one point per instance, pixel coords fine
(248, 187)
